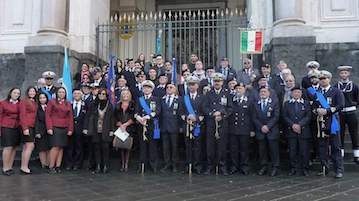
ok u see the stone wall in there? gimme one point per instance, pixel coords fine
(12, 72)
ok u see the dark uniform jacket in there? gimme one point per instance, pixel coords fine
(170, 115)
(155, 105)
(300, 115)
(79, 120)
(269, 117)
(240, 121)
(218, 102)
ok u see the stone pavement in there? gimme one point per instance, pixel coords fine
(84, 186)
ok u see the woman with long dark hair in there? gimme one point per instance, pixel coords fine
(99, 123)
(28, 109)
(124, 118)
(41, 137)
(10, 129)
(59, 124)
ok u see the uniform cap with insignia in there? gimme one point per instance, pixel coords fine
(325, 74)
(344, 68)
(148, 83)
(313, 64)
(313, 73)
(48, 74)
(122, 77)
(192, 79)
(218, 77)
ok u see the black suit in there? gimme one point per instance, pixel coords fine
(295, 112)
(170, 119)
(148, 145)
(240, 126)
(268, 116)
(159, 91)
(74, 149)
(217, 147)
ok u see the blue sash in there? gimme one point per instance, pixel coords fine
(45, 91)
(334, 127)
(197, 127)
(156, 131)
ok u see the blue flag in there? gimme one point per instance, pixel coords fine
(66, 76)
(174, 72)
(158, 42)
(110, 80)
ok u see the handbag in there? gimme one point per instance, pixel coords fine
(127, 144)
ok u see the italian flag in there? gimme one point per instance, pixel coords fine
(251, 42)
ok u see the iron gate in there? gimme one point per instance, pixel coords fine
(210, 33)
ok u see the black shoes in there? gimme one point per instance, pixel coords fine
(52, 171)
(292, 172)
(274, 172)
(262, 171)
(8, 172)
(22, 172)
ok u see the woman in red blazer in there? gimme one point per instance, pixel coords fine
(28, 109)
(9, 129)
(59, 124)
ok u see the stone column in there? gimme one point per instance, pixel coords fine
(292, 39)
(45, 50)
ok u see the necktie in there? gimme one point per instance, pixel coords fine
(192, 96)
(263, 105)
(167, 101)
(76, 109)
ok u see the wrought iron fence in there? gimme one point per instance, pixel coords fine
(210, 33)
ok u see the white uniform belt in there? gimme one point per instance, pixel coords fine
(349, 109)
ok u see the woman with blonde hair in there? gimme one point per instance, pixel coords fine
(124, 118)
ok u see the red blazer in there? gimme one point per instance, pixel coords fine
(9, 114)
(28, 111)
(59, 115)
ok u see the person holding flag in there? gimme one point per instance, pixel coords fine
(329, 102)
(148, 110)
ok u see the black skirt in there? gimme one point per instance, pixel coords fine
(10, 137)
(58, 138)
(42, 144)
(30, 137)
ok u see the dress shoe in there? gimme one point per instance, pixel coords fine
(22, 172)
(207, 171)
(244, 171)
(105, 169)
(339, 175)
(97, 170)
(165, 168)
(197, 171)
(75, 168)
(58, 170)
(68, 168)
(292, 172)
(274, 172)
(52, 171)
(7, 173)
(321, 173)
(305, 173)
(233, 170)
(262, 171)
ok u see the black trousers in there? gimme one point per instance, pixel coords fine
(216, 148)
(298, 153)
(74, 150)
(270, 147)
(169, 148)
(102, 151)
(193, 152)
(336, 155)
(148, 151)
(239, 146)
(349, 119)
(90, 151)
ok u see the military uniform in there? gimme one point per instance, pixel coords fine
(49, 90)
(240, 126)
(148, 145)
(170, 119)
(193, 141)
(335, 99)
(298, 112)
(348, 115)
(266, 112)
(217, 101)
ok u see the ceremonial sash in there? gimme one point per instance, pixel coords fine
(334, 127)
(147, 109)
(48, 94)
(197, 127)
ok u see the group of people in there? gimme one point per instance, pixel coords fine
(216, 110)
